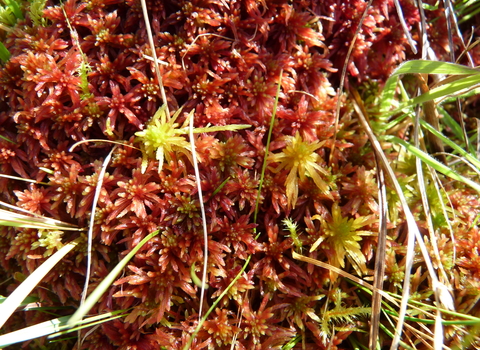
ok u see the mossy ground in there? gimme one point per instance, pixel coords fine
(223, 61)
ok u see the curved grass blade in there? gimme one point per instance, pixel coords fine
(203, 285)
(16, 298)
(98, 189)
(452, 144)
(106, 283)
(435, 164)
(55, 327)
(425, 67)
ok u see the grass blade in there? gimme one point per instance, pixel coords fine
(432, 67)
(435, 164)
(468, 83)
(57, 325)
(4, 53)
(15, 8)
(425, 67)
(16, 298)
(452, 144)
(106, 283)
(8, 218)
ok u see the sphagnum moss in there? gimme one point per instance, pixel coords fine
(220, 80)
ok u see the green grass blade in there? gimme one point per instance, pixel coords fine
(435, 164)
(21, 179)
(25, 302)
(292, 343)
(433, 67)
(422, 67)
(390, 334)
(451, 123)
(106, 283)
(467, 10)
(4, 53)
(36, 331)
(56, 327)
(267, 149)
(441, 91)
(15, 8)
(16, 298)
(444, 322)
(445, 90)
(452, 144)
(89, 322)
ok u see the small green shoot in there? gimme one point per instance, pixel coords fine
(10, 12)
(162, 137)
(292, 228)
(342, 235)
(340, 318)
(84, 67)
(36, 12)
(14, 6)
(300, 158)
(49, 239)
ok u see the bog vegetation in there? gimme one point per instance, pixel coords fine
(239, 174)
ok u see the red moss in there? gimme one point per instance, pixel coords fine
(127, 336)
(361, 190)
(36, 200)
(106, 71)
(224, 60)
(154, 287)
(135, 196)
(222, 328)
(68, 187)
(21, 246)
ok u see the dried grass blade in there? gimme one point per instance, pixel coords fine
(342, 273)
(412, 227)
(343, 76)
(204, 217)
(8, 218)
(154, 54)
(379, 258)
(398, 7)
(98, 189)
(441, 291)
